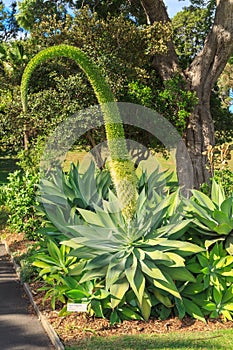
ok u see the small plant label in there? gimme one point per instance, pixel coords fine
(72, 307)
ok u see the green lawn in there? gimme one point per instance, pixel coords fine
(222, 339)
(150, 164)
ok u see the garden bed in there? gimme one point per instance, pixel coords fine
(78, 326)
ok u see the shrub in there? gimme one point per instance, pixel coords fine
(20, 201)
(212, 291)
(213, 217)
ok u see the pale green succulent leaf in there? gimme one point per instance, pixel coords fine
(217, 193)
(145, 306)
(135, 277)
(114, 272)
(118, 290)
(165, 300)
(93, 274)
(204, 200)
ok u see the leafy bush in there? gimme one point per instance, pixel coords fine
(20, 201)
(213, 217)
(212, 291)
(225, 177)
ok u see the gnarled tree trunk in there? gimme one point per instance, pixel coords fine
(201, 76)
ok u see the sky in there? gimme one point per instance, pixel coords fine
(173, 6)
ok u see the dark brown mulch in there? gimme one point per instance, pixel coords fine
(76, 326)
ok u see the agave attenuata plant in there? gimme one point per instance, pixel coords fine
(146, 255)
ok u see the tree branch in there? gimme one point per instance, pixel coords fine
(210, 62)
(165, 64)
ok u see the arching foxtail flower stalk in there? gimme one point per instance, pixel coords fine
(121, 167)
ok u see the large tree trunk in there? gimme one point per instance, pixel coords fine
(201, 76)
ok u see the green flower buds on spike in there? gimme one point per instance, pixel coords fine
(121, 167)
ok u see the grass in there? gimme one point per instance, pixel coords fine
(7, 165)
(149, 164)
(220, 339)
(153, 161)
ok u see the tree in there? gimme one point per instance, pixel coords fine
(8, 25)
(200, 76)
(31, 12)
(191, 27)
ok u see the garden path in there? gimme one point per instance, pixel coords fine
(20, 329)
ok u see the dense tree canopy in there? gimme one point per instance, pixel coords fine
(131, 41)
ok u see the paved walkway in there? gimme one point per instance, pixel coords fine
(19, 329)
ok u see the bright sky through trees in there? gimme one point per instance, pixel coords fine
(173, 5)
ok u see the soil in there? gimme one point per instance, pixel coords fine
(76, 326)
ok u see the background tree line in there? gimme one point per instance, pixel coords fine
(146, 58)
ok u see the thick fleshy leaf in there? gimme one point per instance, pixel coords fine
(217, 193)
(90, 217)
(159, 279)
(76, 294)
(184, 248)
(177, 259)
(203, 199)
(223, 229)
(169, 286)
(179, 274)
(151, 270)
(145, 306)
(130, 313)
(177, 229)
(227, 207)
(135, 277)
(118, 290)
(114, 271)
(165, 300)
(99, 261)
(222, 217)
(158, 256)
(93, 274)
(193, 310)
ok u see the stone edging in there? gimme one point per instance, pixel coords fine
(55, 340)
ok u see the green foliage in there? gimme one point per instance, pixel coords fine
(135, 264)
(190, 26)
(19, 197)
(214, 216)
(176, 103)
(56, 268)
(8, 25)
(225, 178)
(31, 12)
(212, 292)
(140, 93)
